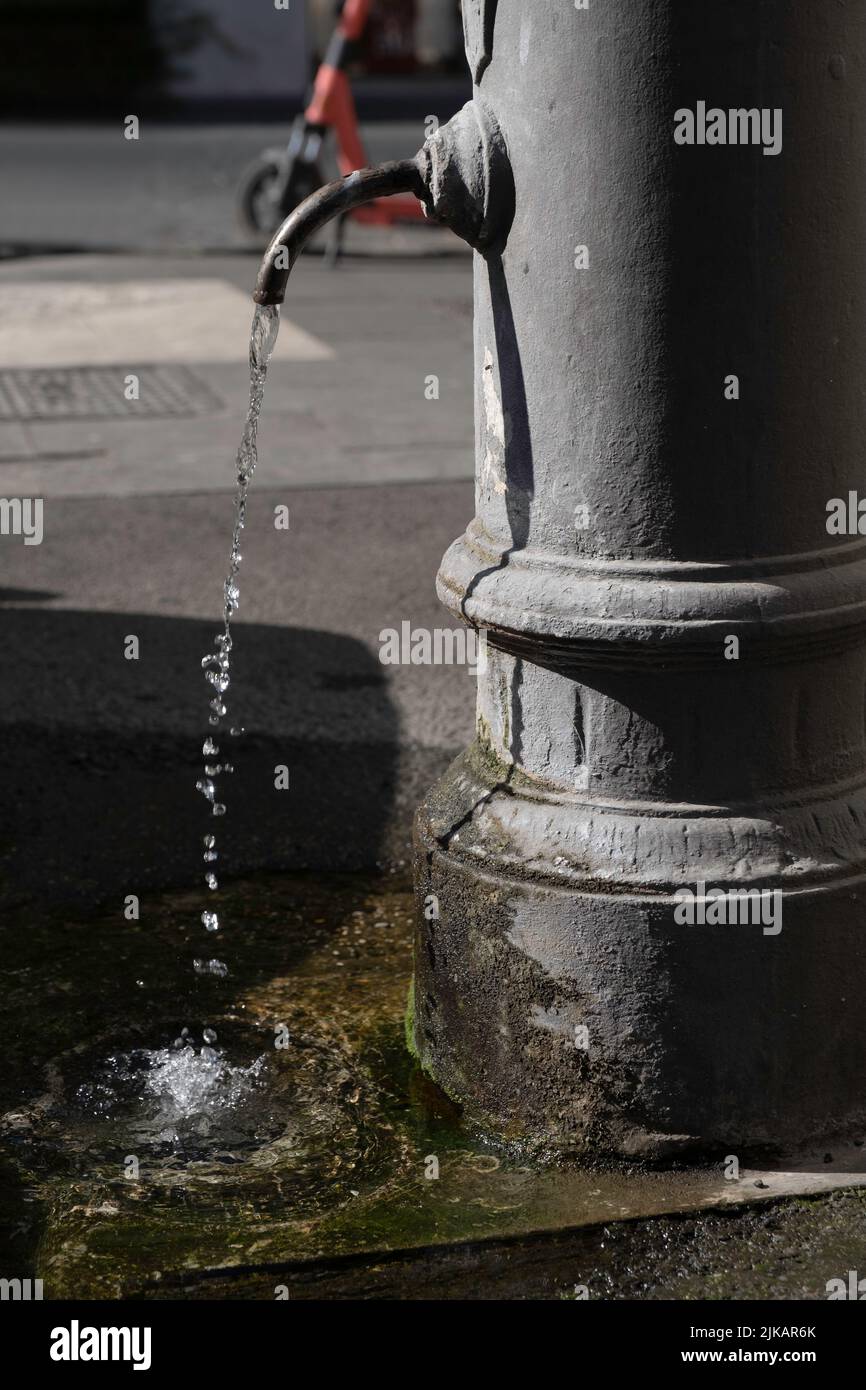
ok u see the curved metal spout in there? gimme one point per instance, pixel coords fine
(397, 176)
(461, 175)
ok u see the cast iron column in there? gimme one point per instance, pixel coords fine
(636, 510)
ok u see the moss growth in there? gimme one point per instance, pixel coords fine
(329, 1160)
(409, 1021)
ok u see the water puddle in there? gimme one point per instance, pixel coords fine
(301, 1136)
(192, 1151)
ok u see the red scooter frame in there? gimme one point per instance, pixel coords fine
(333, 108)
(280, 179)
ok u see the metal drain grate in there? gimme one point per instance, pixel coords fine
(97, 393)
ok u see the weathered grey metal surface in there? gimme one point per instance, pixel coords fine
(631, 518)
(467, 178)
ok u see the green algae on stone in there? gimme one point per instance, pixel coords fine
(346, 1156)
(409, 1021)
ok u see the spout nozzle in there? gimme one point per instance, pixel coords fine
(398, 176)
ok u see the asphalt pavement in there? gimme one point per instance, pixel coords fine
(72, 186)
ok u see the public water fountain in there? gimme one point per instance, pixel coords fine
(628, 744)
(534, 928)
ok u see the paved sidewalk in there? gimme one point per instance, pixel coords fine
(347, 399)
(69, 185)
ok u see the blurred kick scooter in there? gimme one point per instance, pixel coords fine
(281, 178)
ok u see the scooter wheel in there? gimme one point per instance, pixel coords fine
(258, 197)
(264, 197)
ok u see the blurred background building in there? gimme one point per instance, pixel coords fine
(213, 59)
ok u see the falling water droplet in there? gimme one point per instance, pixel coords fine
(210, 921)
(210, 967)
(209, 1035)
(211, 881)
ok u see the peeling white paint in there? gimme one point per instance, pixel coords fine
(558, 1019)
(525, 38)
(494, 426)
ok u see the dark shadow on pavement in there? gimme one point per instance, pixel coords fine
(101, 755)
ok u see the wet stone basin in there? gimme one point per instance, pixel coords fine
(309, 1156)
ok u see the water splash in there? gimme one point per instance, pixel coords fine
(185, 1083)
(183, 1089)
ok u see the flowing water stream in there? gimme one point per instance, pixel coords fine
(187, 1084)
(217, 664)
